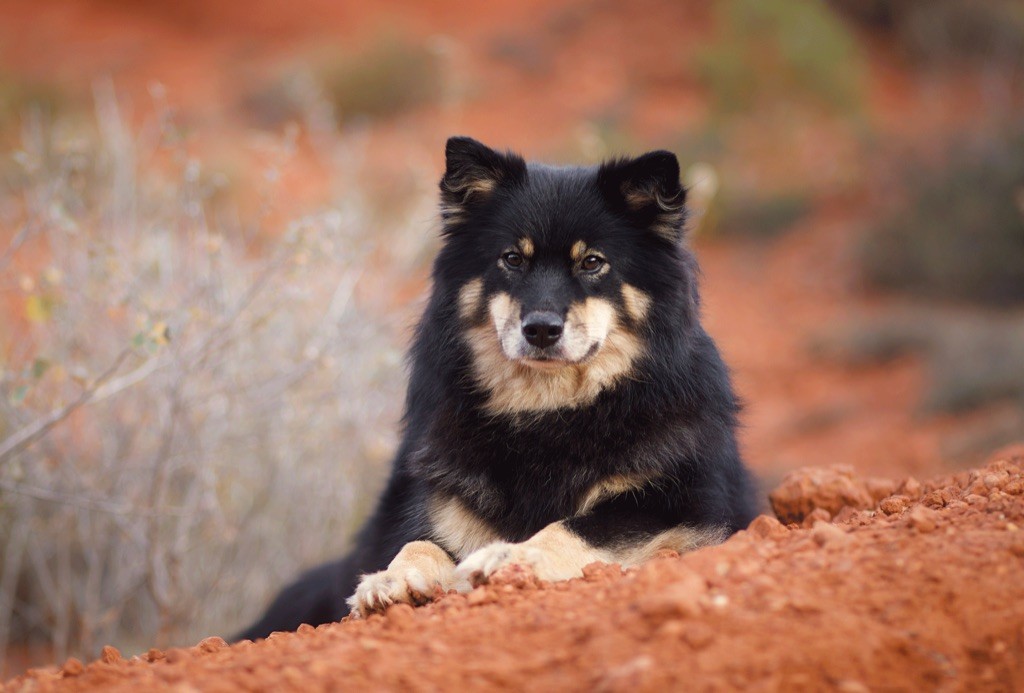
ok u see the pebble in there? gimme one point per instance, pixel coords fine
(826, 533)
(698, 635)
(110, 655)
(815, 516)
(766, 527)
(674, 601)
(212, 644)
(73, 667)
(911, 487)
(399, 614)
(923, 519)
(893, 504)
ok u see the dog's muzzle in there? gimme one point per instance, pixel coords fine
(542, 328)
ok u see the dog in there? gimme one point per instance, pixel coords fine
(565, 406)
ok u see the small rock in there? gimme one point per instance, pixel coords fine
(399, 614)
(154, 655)
(975, 499)
(672, 602)
(767, 527)
(478, 596)
(305, 628)
(893, 505)
(110, 655)
(923, 519)
(698, 635)
(830, 488)
(851, 686)
(826, 533)
(911, 488)
(73, 667)
(212, 644)
(815, 516)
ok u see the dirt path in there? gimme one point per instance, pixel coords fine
(919, 590)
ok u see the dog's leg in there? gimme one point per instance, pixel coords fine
(562, 549)
(414, 575)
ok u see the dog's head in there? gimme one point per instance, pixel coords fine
(558, 273)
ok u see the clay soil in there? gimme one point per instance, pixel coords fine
(878, 582)
(910, 586)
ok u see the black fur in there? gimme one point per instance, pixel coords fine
(672, 419)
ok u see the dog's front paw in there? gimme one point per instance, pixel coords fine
(480, 565)
(377, 591)
(419, 572)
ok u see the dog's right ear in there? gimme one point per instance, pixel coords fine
(473, 171)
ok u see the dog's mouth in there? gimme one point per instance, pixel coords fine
(545, 360)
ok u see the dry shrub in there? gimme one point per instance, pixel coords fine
(958, 230)
(189, 418)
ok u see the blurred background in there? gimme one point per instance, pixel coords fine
(216, 223)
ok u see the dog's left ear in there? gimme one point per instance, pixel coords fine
(647, 189)
(473, 172)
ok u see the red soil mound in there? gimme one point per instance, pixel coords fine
(918, 590)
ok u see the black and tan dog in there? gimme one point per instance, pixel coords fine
(565, 404)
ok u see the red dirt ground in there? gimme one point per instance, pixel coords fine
(881, 600)
(916, 586)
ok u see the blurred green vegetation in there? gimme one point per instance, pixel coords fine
(959, 233)
(935, 32)
(972, 360)
(766, 50)
(390, 75)
(759, 215)
(18, 96)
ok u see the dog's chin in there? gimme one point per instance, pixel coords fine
(553, 362)
(545, 363)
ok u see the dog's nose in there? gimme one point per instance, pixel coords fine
(542, 328)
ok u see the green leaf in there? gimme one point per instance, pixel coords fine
(19, 395)
(39, 368)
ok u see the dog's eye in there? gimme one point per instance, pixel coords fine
(513, 260)
(592, 263)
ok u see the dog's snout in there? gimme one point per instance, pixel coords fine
(542, 328)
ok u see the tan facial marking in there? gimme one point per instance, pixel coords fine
(526, 247)
(469, 298)
(515, 387)
(457, 528)
(578, 250)
(637, 302)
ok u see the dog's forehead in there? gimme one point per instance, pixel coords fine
(556, 206)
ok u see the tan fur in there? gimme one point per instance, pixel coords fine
(471, 186)
(454, 212)
(578, 250)
(609, 487)
(458, 529)
(517, 388)
(526, 247)
(679, 539)
(414, 575)
(555, 553)
(672, 214)
(469, 298)
(637, 302)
